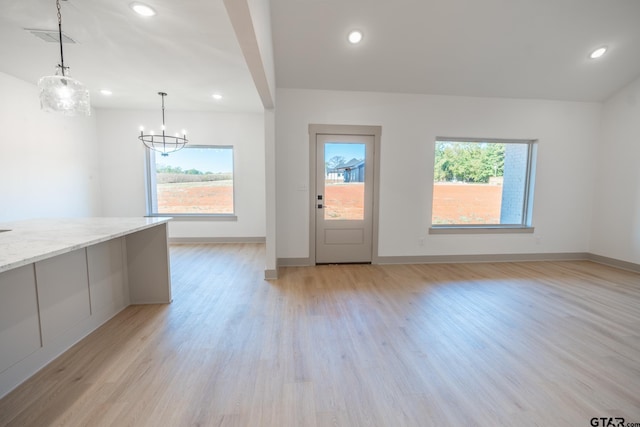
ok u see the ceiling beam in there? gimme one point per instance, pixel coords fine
(260, 61)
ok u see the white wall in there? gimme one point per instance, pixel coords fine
(567, 132)
(123, 174)
(48, 162)
(616, 220)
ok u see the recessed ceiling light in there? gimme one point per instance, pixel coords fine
(217, 96)
(106, 92)
(598, 52)
(355, 37)
(142, 9)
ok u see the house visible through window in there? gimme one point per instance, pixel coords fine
(482, 183)
(197, 180)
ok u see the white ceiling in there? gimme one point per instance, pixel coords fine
(495, 48)
(188, 50)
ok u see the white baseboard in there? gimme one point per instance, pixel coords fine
(270, 274)
(615, 263)
(294, 262)
(204, 240)
(452, 259)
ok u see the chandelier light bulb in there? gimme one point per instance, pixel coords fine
(64, 93)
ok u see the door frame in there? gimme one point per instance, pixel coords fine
(324, 129)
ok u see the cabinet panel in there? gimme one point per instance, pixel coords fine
(63, 293)
(19, 328)
(148, 271)
(107, 277)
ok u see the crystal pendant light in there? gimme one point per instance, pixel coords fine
(61, 93)
(163, 143)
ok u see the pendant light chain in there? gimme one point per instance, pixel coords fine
(60, 36)
(162, 94)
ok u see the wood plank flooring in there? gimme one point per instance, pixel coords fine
(504, 344)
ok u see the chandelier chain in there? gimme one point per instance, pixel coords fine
(162, 94)
(61, 65)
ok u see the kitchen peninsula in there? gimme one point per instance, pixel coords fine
(60, 279)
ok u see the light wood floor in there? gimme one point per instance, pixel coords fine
(548, 344)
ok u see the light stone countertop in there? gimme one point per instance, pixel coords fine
(34, 240)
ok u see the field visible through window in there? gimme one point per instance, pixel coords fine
(196, 197)
(466, 203)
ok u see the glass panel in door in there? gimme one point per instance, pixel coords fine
(344, 184)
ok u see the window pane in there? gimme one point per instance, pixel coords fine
(515, 182)
(344, 181)
(480, 183)
(195, 180)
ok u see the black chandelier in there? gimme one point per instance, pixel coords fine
(163, 143)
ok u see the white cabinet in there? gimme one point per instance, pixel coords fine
(148, 266)
(63, 293)
(19, 325)
(107, 277)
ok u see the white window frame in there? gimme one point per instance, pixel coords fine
(527, 206)
(151, 189)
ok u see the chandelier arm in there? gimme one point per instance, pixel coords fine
(163, 143)
(60, 36)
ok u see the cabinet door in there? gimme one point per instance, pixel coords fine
(19, 329)
(107, 277)
(63, 293)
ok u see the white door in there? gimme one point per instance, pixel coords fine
(344, 198)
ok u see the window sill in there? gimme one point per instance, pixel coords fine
(198, 217)
(463, 229)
